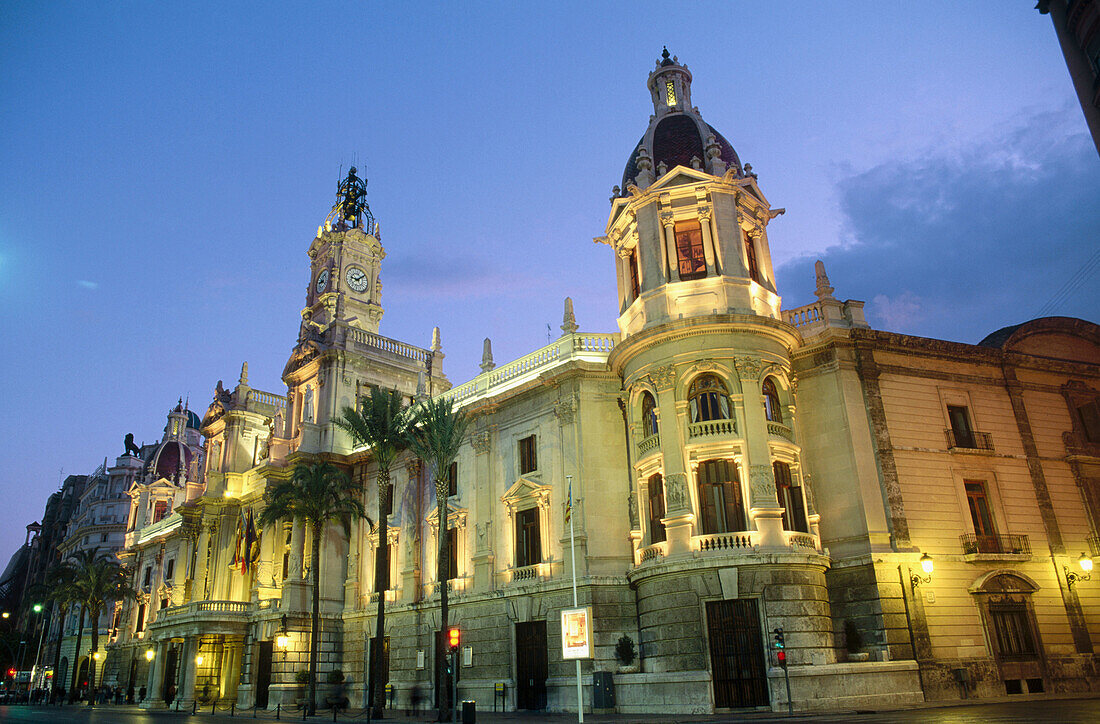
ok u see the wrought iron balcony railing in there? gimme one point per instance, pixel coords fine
(1094, 545)
(968, 440)
(1001, 544)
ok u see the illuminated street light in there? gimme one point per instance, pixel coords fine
(1073, 577)
(150, 654)
(926, 565)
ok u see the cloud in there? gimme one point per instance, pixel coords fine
(961, 242)
(87, 284)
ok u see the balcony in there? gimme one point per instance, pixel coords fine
(778, 429)
(726, 542)
(213, 611)
(968, 440)
(1094, 545)
(1008, 544)
(526, 575)
(648, 445)
(711, 428)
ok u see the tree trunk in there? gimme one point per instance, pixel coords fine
(57, 683)
(76, 656)
(441, 488)
(315, 625)
(381, 585)
(91, 660)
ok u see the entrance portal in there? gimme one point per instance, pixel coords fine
(737, 663)
(531, 665)
(263, 672)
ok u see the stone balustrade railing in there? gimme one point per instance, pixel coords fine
(648, 444)
(803, 316)
(385, 344)
(780, 430)
(711, 542)
(267, 398)
(566, 348)
(807, 541)
(711, 428)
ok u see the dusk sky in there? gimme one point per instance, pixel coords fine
(164, 167)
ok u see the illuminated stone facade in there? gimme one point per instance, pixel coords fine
(735, 468)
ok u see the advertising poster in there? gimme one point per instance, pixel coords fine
(576, 633)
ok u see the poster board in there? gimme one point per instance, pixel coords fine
(576, 633)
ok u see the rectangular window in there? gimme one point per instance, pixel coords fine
(656, 508)
(452, 553)
(635, 284)
(790, 497)
(528, 459)
(452, 480)
(1090, 420)
(164, 603)
(160, 509)
(148, 580)
(959, 417)
(1012, 630)
(528, 541)
(140, 618)
(750, 259)
(981, 517)
(689, 250)
(169, 569)
(103, 537)
(722, 509)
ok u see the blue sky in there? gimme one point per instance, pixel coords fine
(163, 168)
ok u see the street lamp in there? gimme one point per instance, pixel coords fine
(41, 631)
(150, 654)
(926, 565)
(282, 641)
(1073, 577)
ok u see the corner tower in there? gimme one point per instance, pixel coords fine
(689, 222)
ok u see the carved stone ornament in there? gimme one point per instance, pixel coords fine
(748, 367)
(565, 409)
(483, 530)
(705, 365)
(762, 485)
(663, 377)
(480, 442)
(704, 213)
(676, 497)
(666, 218)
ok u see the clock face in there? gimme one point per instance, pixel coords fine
(357, 279)
(322, 280)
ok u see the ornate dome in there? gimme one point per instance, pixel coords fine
(677, 134)
(169, 458)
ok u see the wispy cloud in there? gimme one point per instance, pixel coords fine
(87, 284)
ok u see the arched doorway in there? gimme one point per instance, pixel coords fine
(82, 676)
(1004, 599)
(61, 676)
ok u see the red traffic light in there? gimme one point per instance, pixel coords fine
(453, 637)
(11, 672)
(781, 656)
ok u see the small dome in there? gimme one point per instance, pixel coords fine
(169, 458)
(193, 420)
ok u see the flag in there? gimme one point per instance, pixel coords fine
(569, 503)
(251, 550)
(239, 540)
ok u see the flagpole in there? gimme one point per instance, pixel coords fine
(573, 557)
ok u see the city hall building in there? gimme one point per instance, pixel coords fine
(918, 516)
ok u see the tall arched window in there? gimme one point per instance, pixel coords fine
(772, 409)
(649, 415)
(750, 259)
(656, 508)
(635, 284)
(708, 399)
(689, 250)
(791, 498)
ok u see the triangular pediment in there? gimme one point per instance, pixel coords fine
(525, 488)
(679, 175)
(452, 509)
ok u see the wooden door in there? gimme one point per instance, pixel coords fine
(263, 672)
(737, 659)
(532, 665)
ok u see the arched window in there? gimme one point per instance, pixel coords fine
(656, 508)
(689, 250)
(721, 508)
(750, 259)
(772, 409)
(649, 415)
(635, 284)
(708, 399)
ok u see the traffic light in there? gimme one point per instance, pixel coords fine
(778, 637)
(453, 638)
(11, 673)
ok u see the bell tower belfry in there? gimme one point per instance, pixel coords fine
(689, 222)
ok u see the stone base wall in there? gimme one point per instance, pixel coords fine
(869, 685)
(954, 679)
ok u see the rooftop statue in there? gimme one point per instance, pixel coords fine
(351, 210)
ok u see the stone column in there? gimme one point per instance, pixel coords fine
(763, 503)
(188, 670)
(679, 517)
(483, 557)
(708, 240)
(297, 550)
(670, 244)
(351, 580)
(154, 688)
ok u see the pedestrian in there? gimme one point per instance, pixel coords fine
(141, 694)
(414, 698)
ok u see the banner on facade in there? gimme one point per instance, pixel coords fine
(576, 633)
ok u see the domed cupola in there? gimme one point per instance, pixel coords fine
(172, 458)
(677, 134)
(689, 223)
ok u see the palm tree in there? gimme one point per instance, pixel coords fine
(98, 580)
(61, 592)
(382, 426)
(316, 495)
(437, 433)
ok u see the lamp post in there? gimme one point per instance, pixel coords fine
(38, 653)
(926, 565)
(1073, 577)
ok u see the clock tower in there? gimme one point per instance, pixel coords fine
(339, 354)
